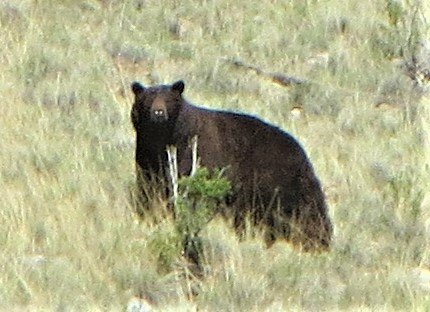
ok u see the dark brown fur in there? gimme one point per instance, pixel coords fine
(273, 179)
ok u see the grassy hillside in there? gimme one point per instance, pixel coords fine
(69, 238)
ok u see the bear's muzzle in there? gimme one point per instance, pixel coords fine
(159, 115)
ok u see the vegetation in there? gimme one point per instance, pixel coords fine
(199, 200)
(70, 240)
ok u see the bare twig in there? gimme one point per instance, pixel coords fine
(173, 170)
(194, 156)
(173, 166)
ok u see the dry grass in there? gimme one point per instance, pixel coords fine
(70, 240)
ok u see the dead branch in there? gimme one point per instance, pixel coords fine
(279, 78)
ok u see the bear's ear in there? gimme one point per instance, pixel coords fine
(137, 88)
(178, 86)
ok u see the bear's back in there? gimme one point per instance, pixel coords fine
(250, 147)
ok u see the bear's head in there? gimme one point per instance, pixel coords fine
(156, 106)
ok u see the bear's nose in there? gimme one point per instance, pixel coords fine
(159, 113)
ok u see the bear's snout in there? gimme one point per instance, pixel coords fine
(159, 115)
(158, 110)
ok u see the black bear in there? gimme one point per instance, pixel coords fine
(274, 181)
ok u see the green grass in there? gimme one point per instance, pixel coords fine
(69, 238)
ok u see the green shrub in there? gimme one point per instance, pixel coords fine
(199, 197)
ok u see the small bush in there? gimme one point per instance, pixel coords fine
(199, 197)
